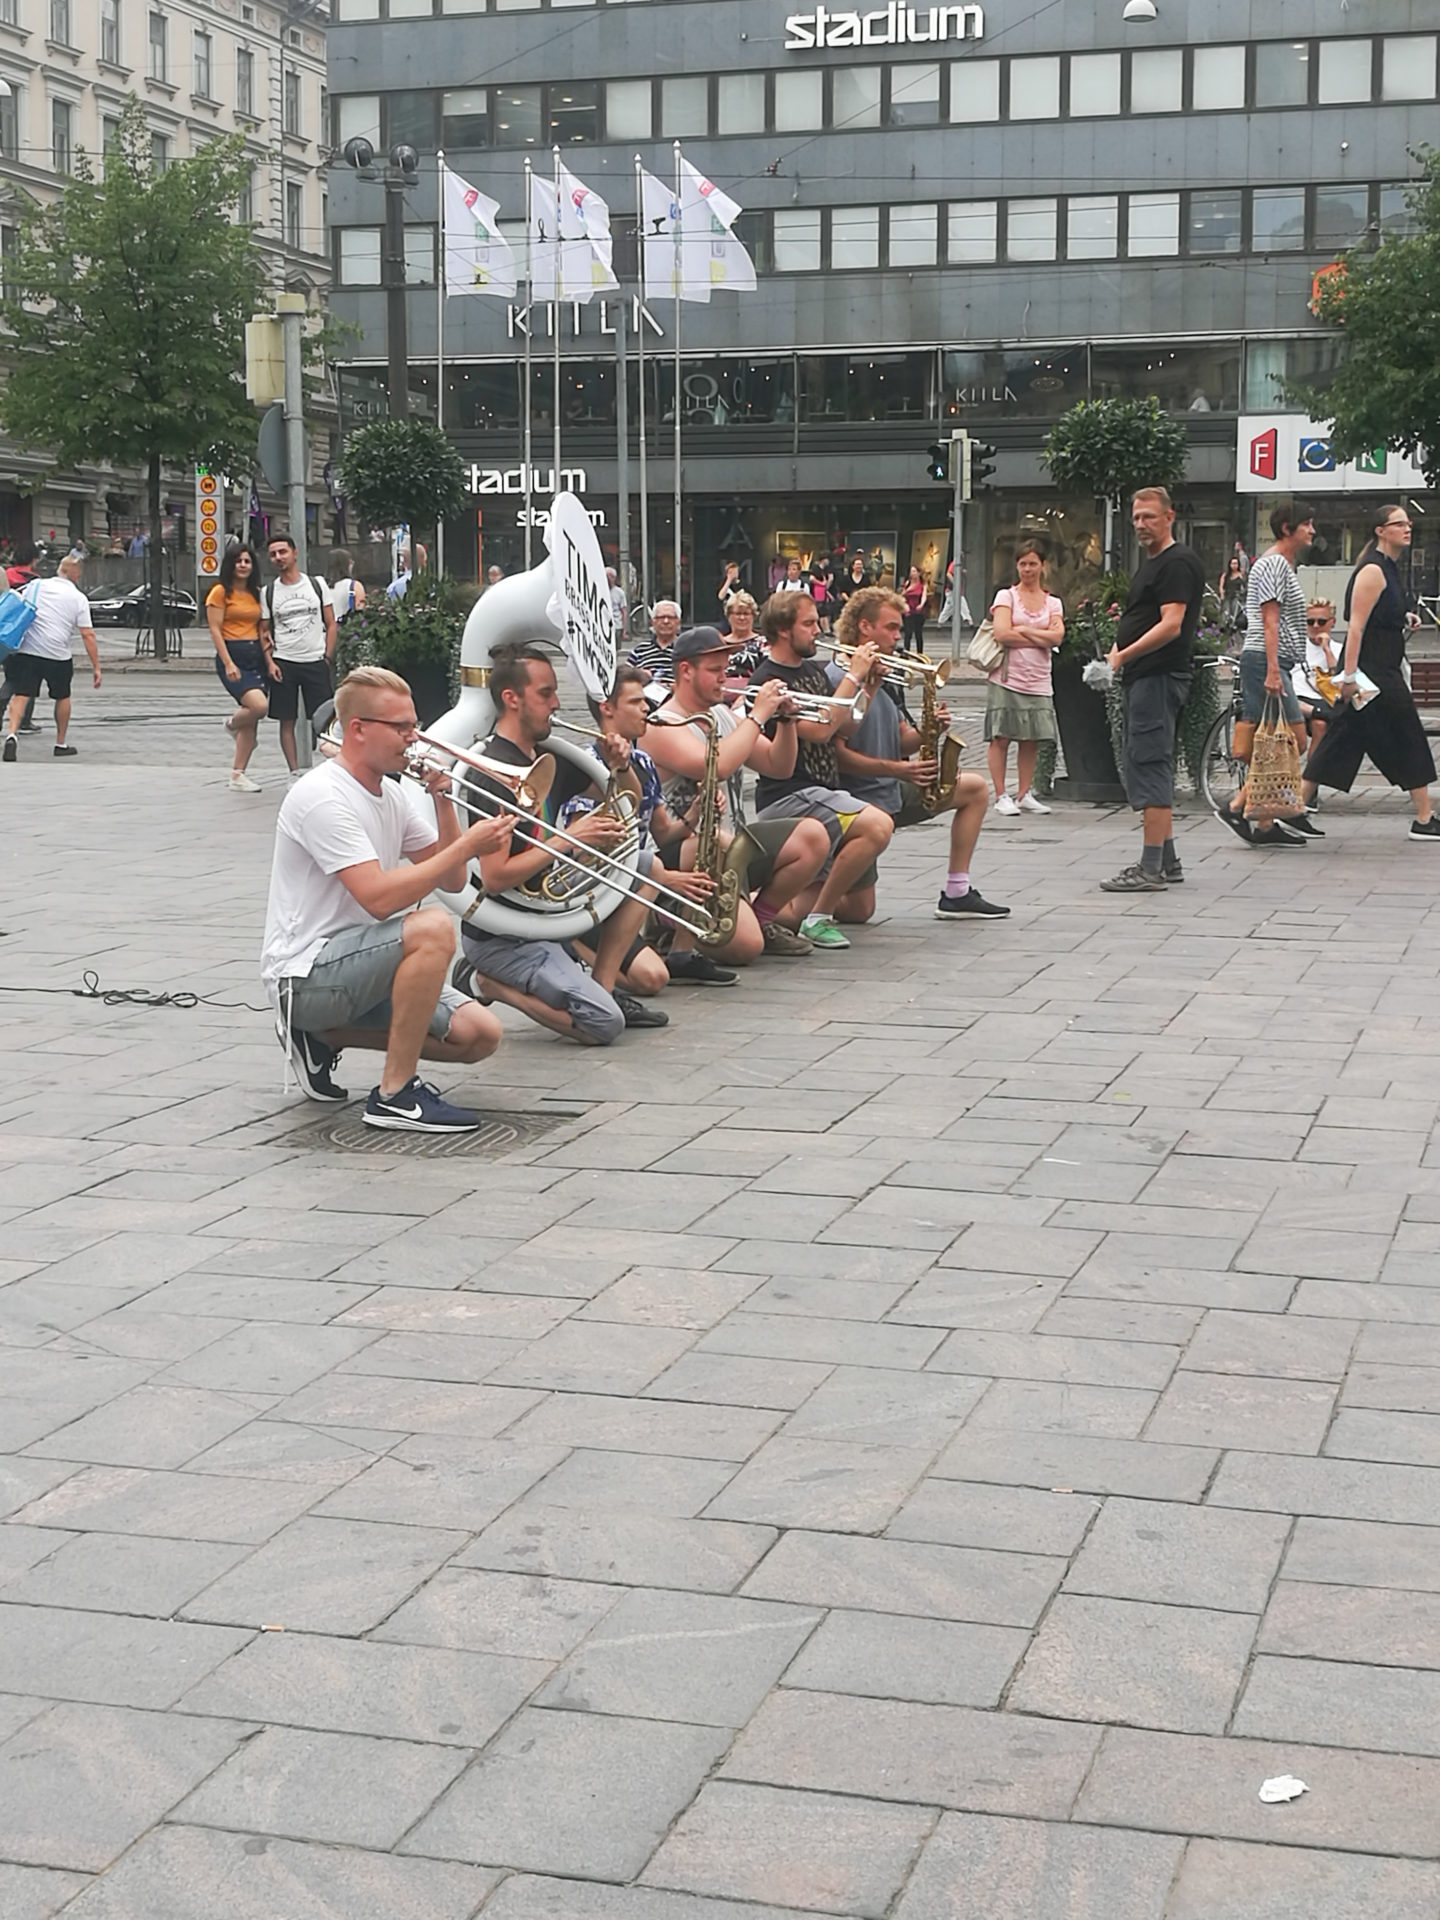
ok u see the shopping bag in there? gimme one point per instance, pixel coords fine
(1273, 790)
(986, 651)
(17, 615)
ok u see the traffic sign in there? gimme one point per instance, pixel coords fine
(210, 527)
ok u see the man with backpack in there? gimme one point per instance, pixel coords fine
(44, 617)
(301, 619)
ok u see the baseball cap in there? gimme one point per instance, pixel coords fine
(699, 640)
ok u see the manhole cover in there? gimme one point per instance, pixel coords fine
(500, 1134)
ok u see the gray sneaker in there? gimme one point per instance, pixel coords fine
(1134, 880)
(785, 943)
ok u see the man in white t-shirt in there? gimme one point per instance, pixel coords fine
(351, 958)
(301, 619)
(45, 655)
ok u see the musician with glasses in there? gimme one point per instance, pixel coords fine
(541, 977)
(351, 958)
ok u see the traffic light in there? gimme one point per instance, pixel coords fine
(981, 466)
(938, 462)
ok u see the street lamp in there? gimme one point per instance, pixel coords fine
(1136, 10)
(401, 172)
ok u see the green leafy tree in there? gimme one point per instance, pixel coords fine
(1111, 447)
(126, 308)
(1386, 392)
(396, 471)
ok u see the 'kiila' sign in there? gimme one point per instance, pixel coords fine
(894, 25)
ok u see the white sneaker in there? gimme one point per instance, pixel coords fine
(1029, 804)
(1006, 805)
(242, 783)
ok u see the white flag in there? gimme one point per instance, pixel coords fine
(477, 255)
(707, 217)
(677, 258)
(570, 251)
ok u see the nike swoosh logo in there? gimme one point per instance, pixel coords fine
(401, 1113)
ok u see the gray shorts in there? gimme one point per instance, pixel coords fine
(833, 809)
(1152, 706)
(544, 968)
(349, 984)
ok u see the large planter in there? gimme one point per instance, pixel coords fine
(429, 682)
(1090, 770)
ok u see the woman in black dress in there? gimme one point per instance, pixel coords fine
(1387, 728)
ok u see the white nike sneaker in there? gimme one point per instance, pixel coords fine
(242, 783)
(1006, 805)
(1029, 804)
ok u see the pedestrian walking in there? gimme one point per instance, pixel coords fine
(234, 614)
(301, 622)
(916, 596)
(1029, 623)
(19, 573)
(347, 594)
(1386, 728)
(1152, 652)
(1232, 588)
(45, 655)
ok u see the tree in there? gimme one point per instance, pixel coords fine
(1387, 390)
(396, 471)
(126, 302)
(1111, 447)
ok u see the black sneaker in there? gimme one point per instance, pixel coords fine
(639, 1013)
(1305, 826)
(1425, 829)
(65, 753)
(1276, 835)
(30, 726)
(12, 748)
(313, 1062)
(1173, 875)
(418, 1108)
(694, 969)
(969, 906)
(1237, 823)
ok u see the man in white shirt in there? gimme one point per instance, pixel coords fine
(351, 958)
(301, 620)
(44, 655)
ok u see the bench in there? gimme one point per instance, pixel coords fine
(1425, 685)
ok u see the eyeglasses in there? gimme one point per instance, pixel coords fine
(400, 726)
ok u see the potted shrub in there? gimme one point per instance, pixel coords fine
(416, 636)
(402, 473)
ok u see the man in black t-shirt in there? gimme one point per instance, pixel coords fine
(1152, 656)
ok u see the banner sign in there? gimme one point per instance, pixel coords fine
(1286, 453)
(209, 529)
(580, 604)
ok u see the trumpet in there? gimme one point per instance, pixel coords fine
(826, 708)
(902, 666)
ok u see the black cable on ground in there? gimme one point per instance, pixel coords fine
(138, 996)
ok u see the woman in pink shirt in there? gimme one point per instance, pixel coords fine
(1029, 623)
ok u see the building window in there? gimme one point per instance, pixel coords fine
(110, 32)
(1345, 71)
(1154, 225)
(855, 97)
(1341, 217)
(797, 240)
(109, 135)
(294, 215)
(1397, 216)
(245, 83)
(854, 237)
(914, 96)
(10, 124)
(628, 110)
(1407, 67)
(912, 235)
(358, 256)
(1092, 226)
(1217, 78)
(799, 100)
(574, 112)
(62, 116)
(684, 107)
(1157, 80)
(419, 256)
(204, 65)
(1030, 230)
(740, 103)
(1282, 73)
(9, 241)
(410, 120)
(974, 91)
(245, 205)
(1035, 89)
(291, 101)
(517, 117)
(972, 231)
(60, 22)
(1277, 219)
(1214, 223)
(159, 48)
(159, 152)
(464, 119)
(9, 14)
(1094, 84)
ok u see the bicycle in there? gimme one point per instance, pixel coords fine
(1221, 774)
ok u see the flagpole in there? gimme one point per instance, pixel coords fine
(440, 354)
(526, 451)
(679, 277)
(555, 316)
(640, 355)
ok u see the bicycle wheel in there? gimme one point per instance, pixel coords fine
(1221, 774)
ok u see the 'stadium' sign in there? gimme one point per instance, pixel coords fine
(580, 604)
(889, 26)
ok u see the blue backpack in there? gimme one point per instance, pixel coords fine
(17, 615)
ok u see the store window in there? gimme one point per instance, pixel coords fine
(797, 240)
(410, 120)
(1217, 78)
(855, 97)
(1341, 216)
(628, 110)
(1032, 384)
(872, 386)
(799, 100)
(913, 235)
(974, 91)
(1282, 73)
(516, 117)
(1311, 360)
(1094, 84)
(1092, 226)
(740, 103)
(1157, 80)
(464, 119)
(1277, 220)
(1154, 225)
(854, 237)
(725, 393)
(1344, 71)
(1183, 379)
(1214, 225)
(1035, 89)
(482, 397)
(1030, 230)
(972, 231)
(1407, 67)
(684, 107)
(574, 113)
(358, 256)
(914, 96)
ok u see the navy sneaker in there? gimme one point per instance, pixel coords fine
(968, 906)
(418, 1108)
(313, 1062)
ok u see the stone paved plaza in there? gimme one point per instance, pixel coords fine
(927, 1435)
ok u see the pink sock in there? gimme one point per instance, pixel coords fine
(765, 913)
(957, 885)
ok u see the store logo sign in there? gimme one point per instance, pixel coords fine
(1316, 454)
(890, 26)
(512, 480)
(1264, 449)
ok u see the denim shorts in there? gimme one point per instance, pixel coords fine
(349, 984)
(1252, 687)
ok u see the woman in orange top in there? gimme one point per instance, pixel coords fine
(242, 656)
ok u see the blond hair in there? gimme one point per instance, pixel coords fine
(350, 693)
(1321, 606)
(742, 599)
(865, 606)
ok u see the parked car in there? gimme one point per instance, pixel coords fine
(132, 609)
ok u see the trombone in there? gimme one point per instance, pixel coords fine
(917, 666)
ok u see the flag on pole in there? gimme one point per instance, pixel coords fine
(570, 251)
(707, 254)
(478, 258)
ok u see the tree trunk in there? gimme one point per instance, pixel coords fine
(156, 561)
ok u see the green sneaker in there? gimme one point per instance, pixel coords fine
(821, 931)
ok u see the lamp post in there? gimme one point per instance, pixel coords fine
(401, 173)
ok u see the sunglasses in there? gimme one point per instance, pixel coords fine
(1325, 620)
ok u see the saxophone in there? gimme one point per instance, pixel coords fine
(712, 856)
(941, 791)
